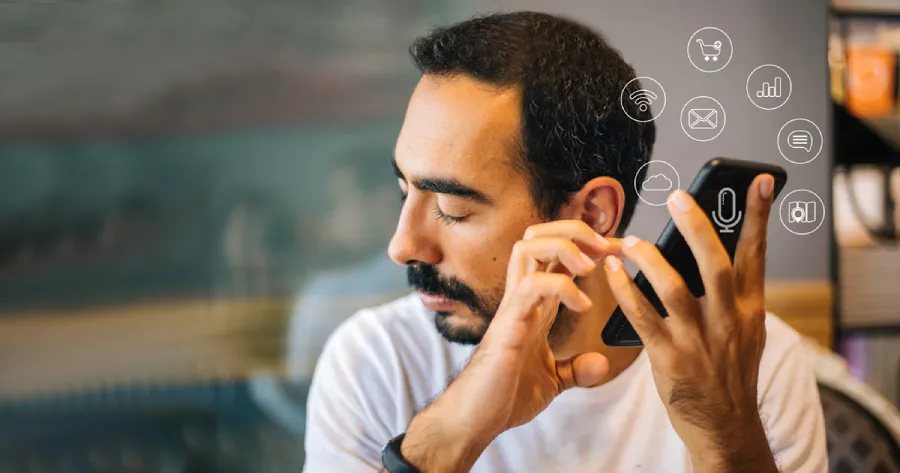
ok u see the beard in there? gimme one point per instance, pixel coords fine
(425, 278)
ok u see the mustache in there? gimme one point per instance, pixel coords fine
(425, 278)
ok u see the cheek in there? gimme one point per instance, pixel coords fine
(481, 263)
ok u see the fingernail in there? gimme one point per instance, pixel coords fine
(765, 186)
(682, 200)
(631, 240)
(588, 262)
(612, 263)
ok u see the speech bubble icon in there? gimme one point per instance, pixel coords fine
(800, 139)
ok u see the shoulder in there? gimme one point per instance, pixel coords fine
(786, 375)
(789, 401)
(380, 347)
(780, 337)
(356, 400)
(357, 392)
(783, 350)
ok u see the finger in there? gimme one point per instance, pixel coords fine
(591, 242)
(637, 309)
(537, 288)
(669, 286)
(712, 259)
(585, 371)
(527, 255)
(750, 257)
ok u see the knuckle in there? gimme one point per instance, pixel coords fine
(531, 232)
(529, 284)
(672, 288)
(722, 274)
(535, 283)
(569, 246)
(758, 247)
(730, 331)
(559, 282)
(757, 314)
(640, 311)
(519, 248)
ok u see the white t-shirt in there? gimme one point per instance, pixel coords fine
(333, 297)
(385, 364)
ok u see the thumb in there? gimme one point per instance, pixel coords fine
(584, 371)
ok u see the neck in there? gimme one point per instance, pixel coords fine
(585, 337)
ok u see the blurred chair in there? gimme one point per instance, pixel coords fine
(862, 427)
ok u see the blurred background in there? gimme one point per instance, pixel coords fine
(194, 194)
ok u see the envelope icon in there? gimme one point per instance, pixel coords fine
(703, 118)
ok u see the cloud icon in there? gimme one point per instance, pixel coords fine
(657, 182)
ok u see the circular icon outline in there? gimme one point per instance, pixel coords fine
(781, 214)
(821, 141)
(721, 108)
(730, 49)
(671, 194)
(654, 117)
(790, 89)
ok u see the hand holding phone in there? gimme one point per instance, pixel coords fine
(720, 190)
(705, 356)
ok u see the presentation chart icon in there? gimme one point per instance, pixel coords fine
(643, 99)
(709, 49)
(800, 141)
(769, 87)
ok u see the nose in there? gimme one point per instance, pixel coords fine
(411, 242)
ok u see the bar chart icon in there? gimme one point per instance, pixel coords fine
(770, 91)
(769, 86)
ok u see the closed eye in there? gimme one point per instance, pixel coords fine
(447, 219)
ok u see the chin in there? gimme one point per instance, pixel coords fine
(461, 327)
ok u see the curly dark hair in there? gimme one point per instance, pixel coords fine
(574, 128)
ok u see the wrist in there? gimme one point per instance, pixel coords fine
(745, 448)
(437, 443)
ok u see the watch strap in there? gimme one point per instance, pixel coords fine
(391, 458)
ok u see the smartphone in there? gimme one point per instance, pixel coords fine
(720, 189)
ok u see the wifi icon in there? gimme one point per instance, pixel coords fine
(643, 98)
(643, 94)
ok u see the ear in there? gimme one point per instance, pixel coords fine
(599, 204)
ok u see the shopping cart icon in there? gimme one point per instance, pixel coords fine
(710, 51)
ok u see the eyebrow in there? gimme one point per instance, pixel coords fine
(445, 186)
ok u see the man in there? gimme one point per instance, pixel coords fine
(516, 163)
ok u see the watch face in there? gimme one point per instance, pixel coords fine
(391, 458)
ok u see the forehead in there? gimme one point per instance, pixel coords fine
(459, 127)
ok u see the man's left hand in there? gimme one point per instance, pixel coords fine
(705, 355)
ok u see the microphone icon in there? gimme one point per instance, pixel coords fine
(727, 223)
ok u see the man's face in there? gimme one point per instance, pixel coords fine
(467, 203)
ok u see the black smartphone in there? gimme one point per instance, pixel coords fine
(720, 189)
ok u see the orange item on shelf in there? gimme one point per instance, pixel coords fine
(870, 80)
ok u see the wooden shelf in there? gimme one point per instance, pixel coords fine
(804, 305)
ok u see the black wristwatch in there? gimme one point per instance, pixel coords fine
(391, 458)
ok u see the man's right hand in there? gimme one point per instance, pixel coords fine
(512, 376)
